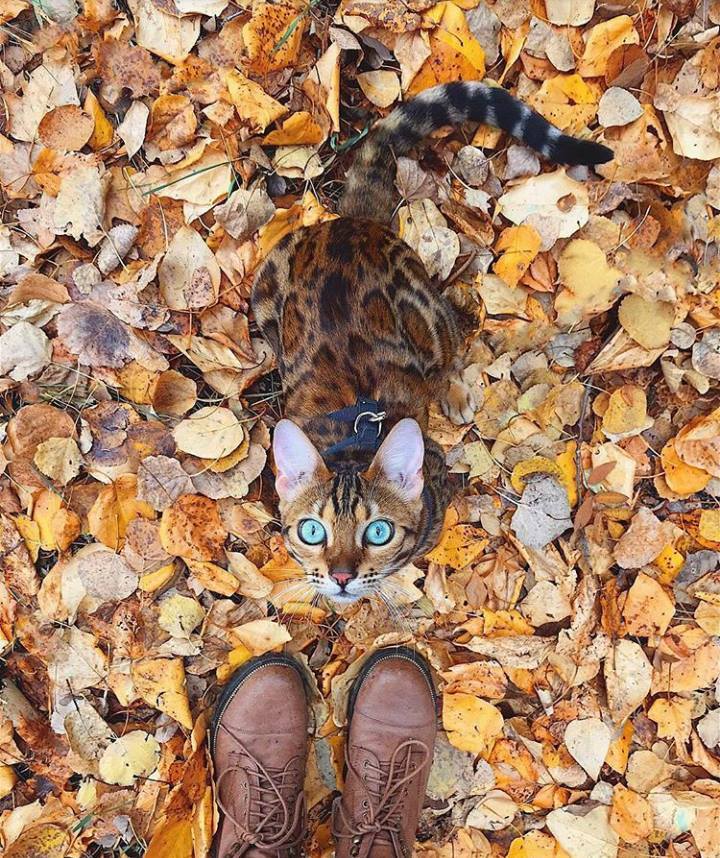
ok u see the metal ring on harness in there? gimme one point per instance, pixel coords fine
(372, 417)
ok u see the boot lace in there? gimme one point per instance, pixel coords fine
(274, 818)
(385, 786)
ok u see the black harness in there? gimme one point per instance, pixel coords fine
(366, 419)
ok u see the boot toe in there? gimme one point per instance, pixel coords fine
(396, 691)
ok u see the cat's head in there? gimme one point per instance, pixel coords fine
(349, 530)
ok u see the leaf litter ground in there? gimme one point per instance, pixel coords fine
(151, 155)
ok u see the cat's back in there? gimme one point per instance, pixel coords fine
(352, 282)
(347, 305)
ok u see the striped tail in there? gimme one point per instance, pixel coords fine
(368, 191)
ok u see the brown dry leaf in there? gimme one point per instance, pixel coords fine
(161, 481)
(643, 540)
(628, 677)
(152, 157)
(191, 527)
(189, 275)
(173, 394)
(18, 569)
(480, 678)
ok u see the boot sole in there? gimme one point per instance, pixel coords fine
(238, 678)
(390, 652)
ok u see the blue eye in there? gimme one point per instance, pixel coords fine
(311, 531)
(379, 532)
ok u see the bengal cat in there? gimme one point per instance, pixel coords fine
(365, 341)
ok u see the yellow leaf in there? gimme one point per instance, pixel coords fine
(172, 839)
(455, 54)
(591, 284)
(252, 103)
(626, 413)
(673, 716)
(567, 101)
(648, 322)
(458, 546)
(601, 40)
(669, 562)
(212, 577)
(568, 471)
(519, 245)
(180, 615)
(235, 658)
(261, 636)
(536, 844)
(709, 526)
(191, 528)
(682, 478)
(58, 526)
(535, 465)
(134, 755)
(161, 683)
(102, 135)
(619, 753)
(8, 779)
(298, 129)
(273, 35)
(30, 532)
(40, 841)
(115, 507)
(631, 815)
(307, 212)
(59, 459)
(155, 580)
(472, 724)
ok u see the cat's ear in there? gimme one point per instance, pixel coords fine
(400, 459)
(297, 462)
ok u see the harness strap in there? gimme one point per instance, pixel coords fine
(367, 425)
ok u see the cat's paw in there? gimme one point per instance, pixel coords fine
(459, 404)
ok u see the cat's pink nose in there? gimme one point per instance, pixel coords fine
(341, 577)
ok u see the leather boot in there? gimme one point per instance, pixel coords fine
(391, 733)
(258, 741)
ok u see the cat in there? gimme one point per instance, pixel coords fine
(365, 341)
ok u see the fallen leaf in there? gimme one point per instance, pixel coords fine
(161, 683)
(191, 527)
(134, 755)
(210, 433)
(472, 724)
(589, 836)
(631, 816)
(588, 741)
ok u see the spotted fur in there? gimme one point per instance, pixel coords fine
(350, 312)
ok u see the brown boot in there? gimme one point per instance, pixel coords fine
(391, 733)
(258, 741)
